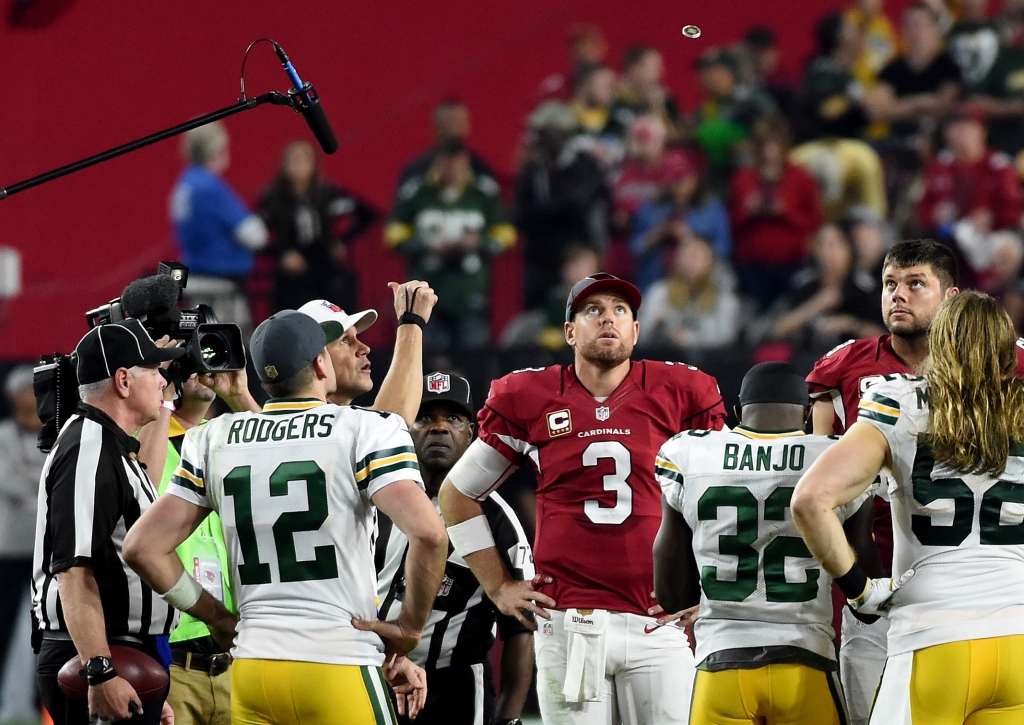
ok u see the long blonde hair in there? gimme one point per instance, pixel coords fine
(703, 292)
(975, 397)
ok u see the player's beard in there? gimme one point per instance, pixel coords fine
(910, 332)
(606, 358)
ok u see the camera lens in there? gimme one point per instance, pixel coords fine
(215, 350)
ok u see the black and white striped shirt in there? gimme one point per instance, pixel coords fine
(91, 491)
(460, 630)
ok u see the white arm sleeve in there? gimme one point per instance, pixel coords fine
(252, 233)
(480, 470)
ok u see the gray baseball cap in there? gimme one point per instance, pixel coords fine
(284, 344)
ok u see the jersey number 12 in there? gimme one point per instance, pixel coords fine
(324, 565)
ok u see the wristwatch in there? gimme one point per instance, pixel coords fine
(98, 670)
(506, 721)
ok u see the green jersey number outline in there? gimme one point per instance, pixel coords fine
(992, 532)
(324, 565)
(740, 545)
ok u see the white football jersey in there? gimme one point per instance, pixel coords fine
(760, 586)
(962, 533)
(292, 485)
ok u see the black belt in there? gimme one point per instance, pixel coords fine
(57, 636)
(212, 665)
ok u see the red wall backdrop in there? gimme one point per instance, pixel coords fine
(104, 72)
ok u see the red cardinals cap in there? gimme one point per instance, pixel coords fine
(601, 282)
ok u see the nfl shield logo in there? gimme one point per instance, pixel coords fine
(439, 383)
(604, 412)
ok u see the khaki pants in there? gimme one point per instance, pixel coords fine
(199, 699)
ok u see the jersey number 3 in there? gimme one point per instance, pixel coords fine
(616, 482)
(324, 565)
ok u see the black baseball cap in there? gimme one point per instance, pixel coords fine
(123, 344)
(774, 382)
(284, 344)
(601, 282)
(450, 388)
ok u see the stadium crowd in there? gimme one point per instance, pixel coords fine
(756, 223)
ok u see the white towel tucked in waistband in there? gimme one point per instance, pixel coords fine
(585, 654)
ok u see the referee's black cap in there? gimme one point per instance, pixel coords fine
(284, 344)
(601, 282)
(122, 344)
(774, 382)
(438, 386)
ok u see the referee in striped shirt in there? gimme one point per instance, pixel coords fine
(459, 634)
(93, 489)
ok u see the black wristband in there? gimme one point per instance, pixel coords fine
(94, 675)
(852, 583)
(506, 721)
(411, 318)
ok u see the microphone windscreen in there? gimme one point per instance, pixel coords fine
(149, 296)
(318, 124)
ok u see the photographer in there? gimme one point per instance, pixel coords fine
(200, 690)
(93, 490)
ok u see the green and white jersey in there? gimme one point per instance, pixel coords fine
(962, 533)
(760, 586)
(293, 487)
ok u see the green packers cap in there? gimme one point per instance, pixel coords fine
(335, 320)
(284, 344)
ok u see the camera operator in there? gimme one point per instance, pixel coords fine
(200, 691)
(93, 490)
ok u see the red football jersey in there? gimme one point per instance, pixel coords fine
(844, 374)
(598, 503)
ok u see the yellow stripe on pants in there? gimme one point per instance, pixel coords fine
(282, 692)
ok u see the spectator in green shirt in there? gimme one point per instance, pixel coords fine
(448, 224)
(1001, 98)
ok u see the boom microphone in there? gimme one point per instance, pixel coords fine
(149, 296)
(308, 104)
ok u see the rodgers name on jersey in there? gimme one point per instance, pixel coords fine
(760, 586)
(962, 533)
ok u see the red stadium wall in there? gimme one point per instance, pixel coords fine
(102, 73)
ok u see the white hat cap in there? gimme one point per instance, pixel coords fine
(335, 321)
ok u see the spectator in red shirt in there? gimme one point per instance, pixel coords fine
(969, 180)
(642, 173)
(775, 207)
